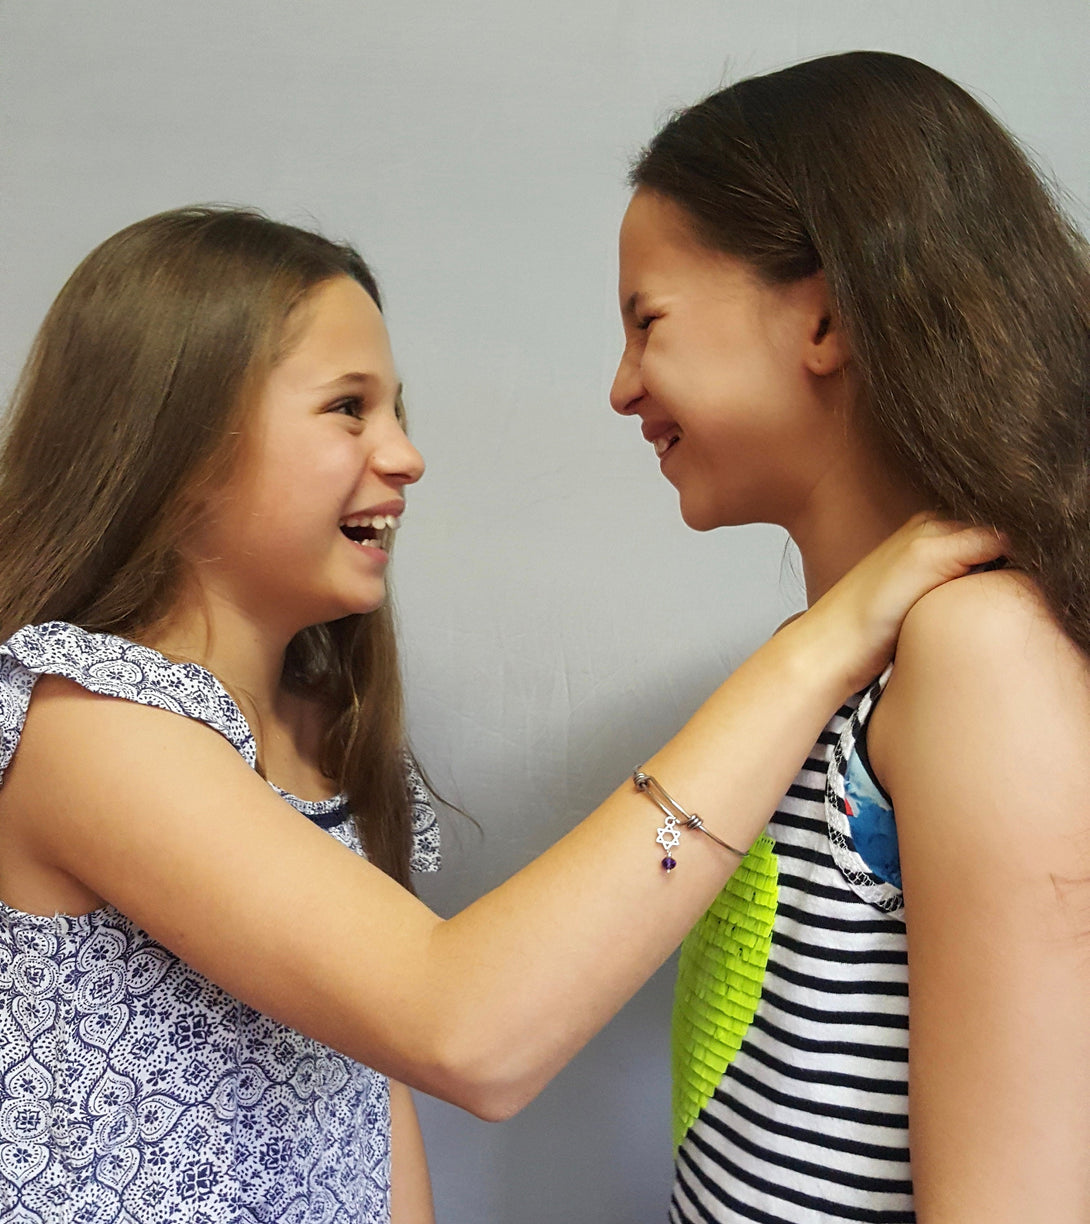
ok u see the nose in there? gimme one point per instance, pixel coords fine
(627, 389)
(397, 459)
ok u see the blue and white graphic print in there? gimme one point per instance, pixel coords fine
(132, 1089)
(872, 823)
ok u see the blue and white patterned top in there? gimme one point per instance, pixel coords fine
(132, 1089)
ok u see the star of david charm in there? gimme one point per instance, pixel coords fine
(668, 838)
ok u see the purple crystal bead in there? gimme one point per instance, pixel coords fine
(668, 864)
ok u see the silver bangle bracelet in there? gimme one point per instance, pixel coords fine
(676, 817)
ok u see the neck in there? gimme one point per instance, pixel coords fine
(848, 513)
(244, 654)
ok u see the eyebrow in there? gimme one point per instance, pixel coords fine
(630, 305)
(357, 380)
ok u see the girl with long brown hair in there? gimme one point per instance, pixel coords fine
(203, 991)
(848, 297)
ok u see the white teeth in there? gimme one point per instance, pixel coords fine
(377, 522)
(664, 442)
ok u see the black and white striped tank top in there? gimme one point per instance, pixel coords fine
(791, 1015)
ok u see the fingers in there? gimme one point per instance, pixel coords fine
(957, 551)
(926, 525)
(948, 543)
(976, 545)
(874, 597)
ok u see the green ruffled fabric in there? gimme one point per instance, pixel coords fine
(720, 974)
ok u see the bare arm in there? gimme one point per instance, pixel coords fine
(484, 1008)
(410, 1185)
(982, 739)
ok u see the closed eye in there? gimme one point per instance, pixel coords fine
(351, 405)
(645, 321)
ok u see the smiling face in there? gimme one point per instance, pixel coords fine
(299, 534)
(729, 375)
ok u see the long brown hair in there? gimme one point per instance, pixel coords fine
(963, 288)
(133, 401)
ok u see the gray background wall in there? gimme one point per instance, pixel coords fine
(559, 621)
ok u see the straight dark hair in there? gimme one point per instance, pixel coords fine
(963, 288)
(133, 403)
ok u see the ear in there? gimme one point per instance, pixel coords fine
(826, 345)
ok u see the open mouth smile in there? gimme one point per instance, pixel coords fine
(371, 530)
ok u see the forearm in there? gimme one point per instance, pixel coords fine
(481, 1009)
(537, 966)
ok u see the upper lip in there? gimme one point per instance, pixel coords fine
(396, 507)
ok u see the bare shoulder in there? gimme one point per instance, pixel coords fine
(66, 721)
(85, 759)
(88, 768)
(987, 632)
(983, 671)
(973, 615)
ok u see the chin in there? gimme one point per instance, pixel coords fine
(358, 605)
(363, 607)
(709, 514)
(704, 518)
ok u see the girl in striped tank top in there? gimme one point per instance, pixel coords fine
(847, 297)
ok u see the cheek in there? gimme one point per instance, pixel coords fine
(704, 368)
(311, 470)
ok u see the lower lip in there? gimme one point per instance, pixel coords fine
(370, 550)
(667, 452)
